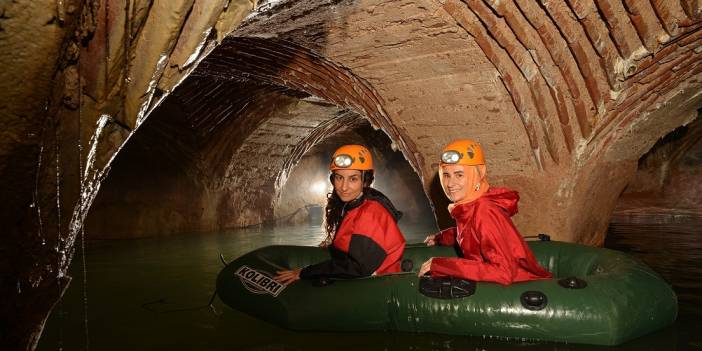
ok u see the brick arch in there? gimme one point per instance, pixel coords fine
(585, 70)
(321, 97)
(565, 95)
(283, 63)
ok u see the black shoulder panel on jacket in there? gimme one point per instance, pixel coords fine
(367, 252)
(339, 266)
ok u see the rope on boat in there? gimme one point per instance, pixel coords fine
(147, 306)
(271, 263)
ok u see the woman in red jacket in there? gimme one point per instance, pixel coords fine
(492, 248)
(361, 224)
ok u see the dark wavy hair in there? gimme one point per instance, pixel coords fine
(335, 207)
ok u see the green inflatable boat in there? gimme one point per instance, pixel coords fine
(598, 296)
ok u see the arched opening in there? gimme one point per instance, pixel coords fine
(180, 174)
(220, 148)
(659, 214)
(304, 194)
(220, 154)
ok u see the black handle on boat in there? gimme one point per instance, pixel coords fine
(534, 300)
(446, 287)
(407, 265)
(541, 237)
(321, 282)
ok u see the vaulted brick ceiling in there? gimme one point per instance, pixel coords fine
(557, 92)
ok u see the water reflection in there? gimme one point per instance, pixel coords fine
(263, 336)
(148, 294)
(668, 240)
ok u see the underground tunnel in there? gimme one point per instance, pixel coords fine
(185, 174)
(658, 215)
(144, 138)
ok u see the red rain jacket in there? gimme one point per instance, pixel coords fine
(368, 241)
(373, 221)
(493, 250)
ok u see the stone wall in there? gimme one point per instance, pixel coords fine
(668, 175)
(80, 76)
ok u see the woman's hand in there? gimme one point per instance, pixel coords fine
(287, 277)
(430, 240)
(426, 267)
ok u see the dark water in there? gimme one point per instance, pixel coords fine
(144, 295)
(668, 240)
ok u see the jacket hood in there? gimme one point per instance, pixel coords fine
(372, 194)
(502, 197)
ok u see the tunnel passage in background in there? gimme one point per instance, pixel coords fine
(218, 150)
(304, 195)
(218, 155)
(658, 216)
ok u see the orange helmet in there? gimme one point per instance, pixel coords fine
(355, 157)
(463, 152)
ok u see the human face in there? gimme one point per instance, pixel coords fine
(348, 184)
(455, 181)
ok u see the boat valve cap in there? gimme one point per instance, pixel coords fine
(572, 283)
(321, 282)
(534, 300)
(446, 287)
(407, 265)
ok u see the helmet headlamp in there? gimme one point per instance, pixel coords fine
(450, 157)
(343, 161)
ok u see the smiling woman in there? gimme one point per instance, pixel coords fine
(361, 224)
(491, 247)
(348, 184)
(352, 171)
